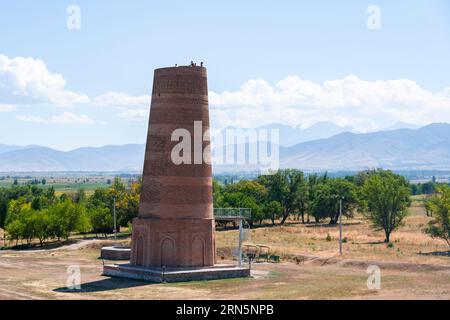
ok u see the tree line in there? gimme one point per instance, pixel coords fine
(30, 212)
(380, 195)
(383, 197)
(425, 188)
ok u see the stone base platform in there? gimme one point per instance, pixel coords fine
(175, 274)
(116, 253)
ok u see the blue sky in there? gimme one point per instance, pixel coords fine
(294, 62)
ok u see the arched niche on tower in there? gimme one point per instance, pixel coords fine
(168, 252)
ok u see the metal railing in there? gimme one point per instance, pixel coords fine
(233, 213)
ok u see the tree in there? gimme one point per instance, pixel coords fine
(323, 202)
(127, 204)
(428, 188)
(39, 220)
(14, 230)
(346, 191)
(49, 197)
(439, 204)
(58, 225)
(414, 189)
(217, 194)
(246, 194)
(101, 220)
(78, 220)
(314, 181)
(37, 203)
(326, 195)
(429, 207)
(19, 224)
(242, 200)
(285, 187)
(118, 186)
(3, 208)
(64, 197)
(67, 217)
(273, 211)
(101, 198)
(387, 198)
(15, 208)
(302, 197)
(80, 196)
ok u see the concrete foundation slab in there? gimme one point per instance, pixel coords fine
(175, 274)
(116, 253)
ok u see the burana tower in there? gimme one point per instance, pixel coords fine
(174, 234)
(175, 227)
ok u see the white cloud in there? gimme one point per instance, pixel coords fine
(68, 117)
(134, 114)
(29, 80)
(131, 108)
(25, 80)
(65, 118)
(7, 108)
(120, 99)
(33, 119)
(365, 105)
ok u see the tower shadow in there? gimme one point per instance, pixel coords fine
(106, 284)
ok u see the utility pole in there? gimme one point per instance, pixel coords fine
(114, 211)
(340, 226)
(241, 239)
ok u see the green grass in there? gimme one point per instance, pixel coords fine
(62, 186)
(211, 284)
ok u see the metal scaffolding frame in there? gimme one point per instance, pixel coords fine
(235, 214)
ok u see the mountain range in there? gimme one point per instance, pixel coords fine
(402, 149)
(425, 148)
(291, 135)
(125, 158)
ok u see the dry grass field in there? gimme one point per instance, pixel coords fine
(42, 275)
(409, 243)
(416, 267)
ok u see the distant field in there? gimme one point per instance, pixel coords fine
(89, 188)
(64, 184)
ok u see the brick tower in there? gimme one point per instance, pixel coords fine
(175, 226)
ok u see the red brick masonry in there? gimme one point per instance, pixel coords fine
(175, 226)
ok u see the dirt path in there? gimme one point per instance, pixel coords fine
(298, 258)
(96, 243)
